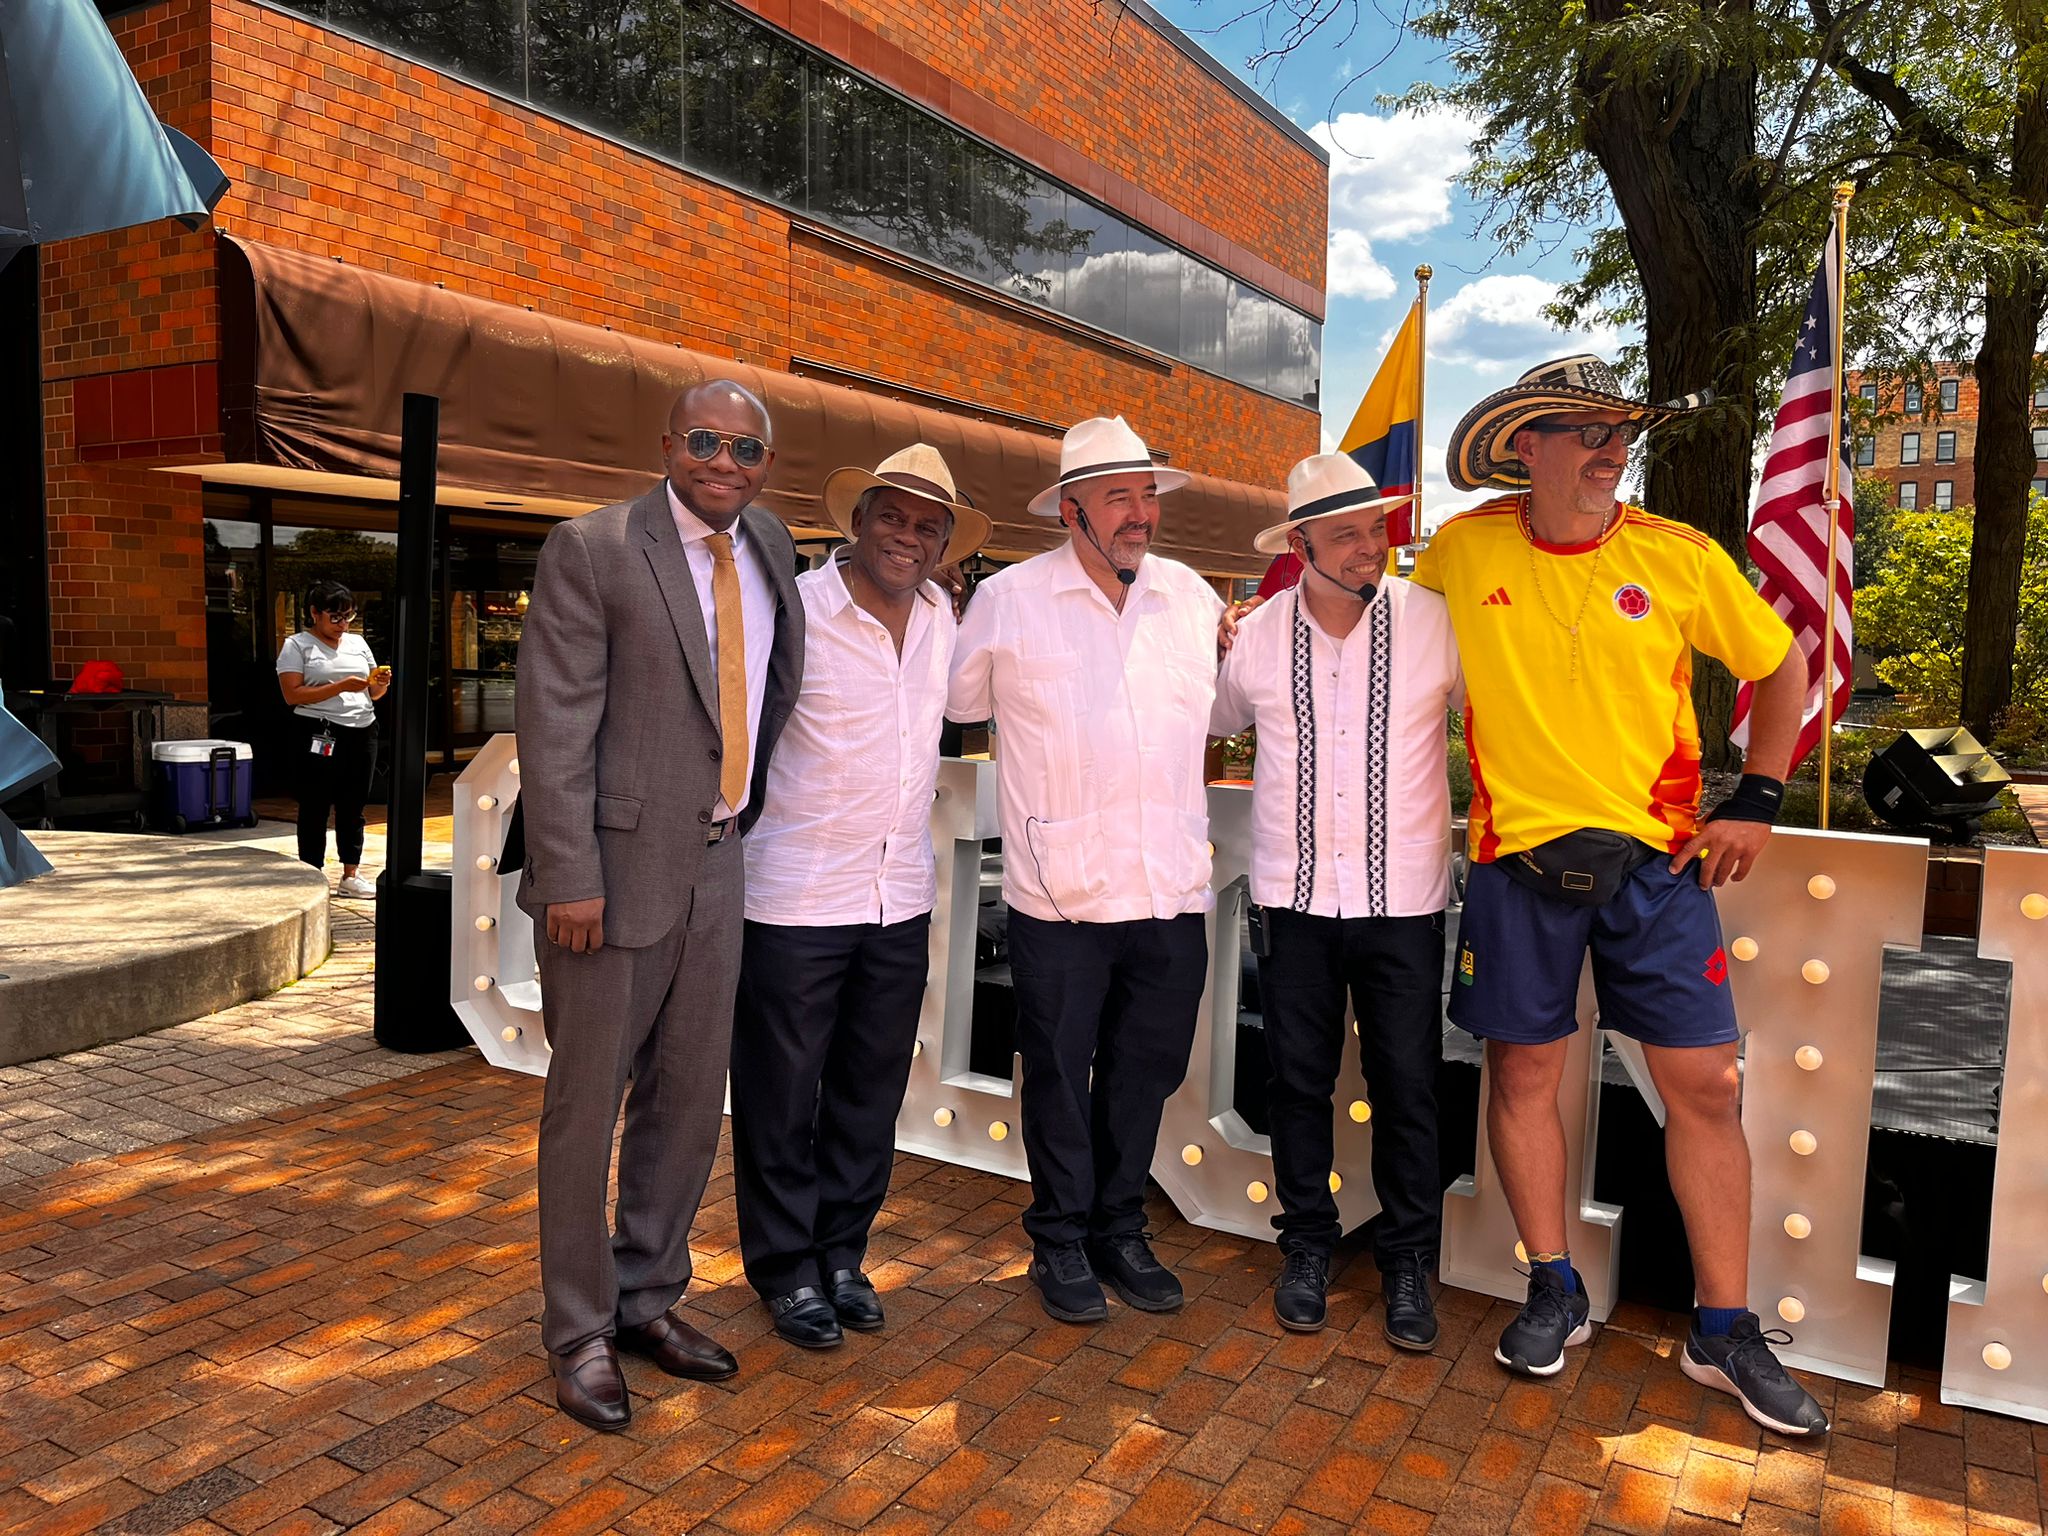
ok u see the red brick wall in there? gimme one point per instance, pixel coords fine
(126, 572)
(340, 150)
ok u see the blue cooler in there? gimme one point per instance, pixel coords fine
(203, 784)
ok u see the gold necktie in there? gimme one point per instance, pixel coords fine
(732, 671)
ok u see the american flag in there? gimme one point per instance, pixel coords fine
(1788, 532)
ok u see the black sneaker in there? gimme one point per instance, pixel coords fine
(1299, 1299)
(1411, 1314)
(1125, 1260)
(1066, 1285)
(1741, 1363)
(1551, 1321)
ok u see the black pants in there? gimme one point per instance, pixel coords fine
(1393, 969)
(340, 783)
(821, 1042)
(1105, 1019)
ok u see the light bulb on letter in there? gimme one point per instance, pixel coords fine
(1820, 887)
(1791, 1308)
(1191, 1154)
(1997, 1356)
(1804, 1143)
(1360, 1111)
(942, 1117)
(1743, 948)
(1797, 1225)
(1256, 1192)
(1815, 971)
(1808, 1057)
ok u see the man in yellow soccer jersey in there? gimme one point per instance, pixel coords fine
(1577, 616)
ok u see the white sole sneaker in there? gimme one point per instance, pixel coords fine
(1708, 1374)
(1578, 1335)
(356, 890)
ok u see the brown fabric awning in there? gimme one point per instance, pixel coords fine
(318, 356)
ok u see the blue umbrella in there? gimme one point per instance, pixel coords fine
(80, 150)
(24, 763)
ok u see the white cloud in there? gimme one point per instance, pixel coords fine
(1354, 271)
(1496, 325)
(1390, 180)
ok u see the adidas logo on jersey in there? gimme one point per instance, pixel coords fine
(1497, 598)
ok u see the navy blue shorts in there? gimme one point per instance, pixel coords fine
(1659, 971)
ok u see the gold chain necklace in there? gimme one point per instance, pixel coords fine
(1585, 598)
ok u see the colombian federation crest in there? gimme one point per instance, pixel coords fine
(1631, 601)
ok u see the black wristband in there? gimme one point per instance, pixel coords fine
(1756, 798)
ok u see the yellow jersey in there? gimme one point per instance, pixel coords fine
(1614, 744)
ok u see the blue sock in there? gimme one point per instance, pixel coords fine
(1714, 1322)
(1560, 1266)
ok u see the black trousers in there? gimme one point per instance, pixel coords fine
(821, 1041)
(1393, 969)
(1105, 1019)
(340, 783)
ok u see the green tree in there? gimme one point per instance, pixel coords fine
(1911, 613)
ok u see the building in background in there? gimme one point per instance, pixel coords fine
(895, 218)
(1924, 441)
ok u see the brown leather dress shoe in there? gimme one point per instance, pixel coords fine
(590, 1388)
(679, 1349)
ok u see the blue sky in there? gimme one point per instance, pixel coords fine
(1393, 204)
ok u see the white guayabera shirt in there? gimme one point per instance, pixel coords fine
(845, 833)
(1101, 720)
(1351, 808)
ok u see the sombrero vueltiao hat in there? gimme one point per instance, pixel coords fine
(1482, 452)
(1323, 485)
(921, 470)
(1101, 445)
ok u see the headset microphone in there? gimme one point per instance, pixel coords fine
(1122, 575)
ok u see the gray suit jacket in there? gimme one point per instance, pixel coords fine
(617, 713)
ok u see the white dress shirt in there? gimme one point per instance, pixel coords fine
(845, 834)
(1100, 723)
(757, 617)
(1359, 823)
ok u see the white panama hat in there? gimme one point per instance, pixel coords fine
(1101, 445)
(1323, 485)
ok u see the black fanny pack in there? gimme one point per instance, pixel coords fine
(1586, 868)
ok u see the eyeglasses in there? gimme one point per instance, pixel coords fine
(702, 444)
(1596, 434)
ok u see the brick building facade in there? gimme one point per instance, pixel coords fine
(1006, 214)
(1922, 439)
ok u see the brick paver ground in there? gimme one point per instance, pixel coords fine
(322, 1317)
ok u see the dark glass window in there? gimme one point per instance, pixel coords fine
(1249, 348)
(942, 177)
(612, 67)
(1868, 392)
(1204, 314)
(1951, 393)
(1909, 447)
(1913, 401)
(1096, 266)
(2041, 442)
(1944, 447)
(743, 102)
(1944, 494)
(1909, 494)
(1866, 450)
(859, 174)
(1022, 221)
(1293, 376)
(2041, 398)
(480, 40)
(1153, 308)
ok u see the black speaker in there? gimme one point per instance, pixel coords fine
(1934, 778)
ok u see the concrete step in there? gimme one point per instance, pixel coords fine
(131, 933)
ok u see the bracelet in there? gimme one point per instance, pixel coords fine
(1756, 798)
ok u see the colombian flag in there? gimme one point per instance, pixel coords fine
(1384, 436)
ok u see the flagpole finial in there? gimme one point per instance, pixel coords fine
(1844, 191)
(1424, 273)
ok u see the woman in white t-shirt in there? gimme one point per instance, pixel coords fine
(332, 683)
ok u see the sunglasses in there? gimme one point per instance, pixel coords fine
(1597, 434)
(702, 444)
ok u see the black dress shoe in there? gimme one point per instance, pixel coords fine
(1411, 1314)
(679, 1349)
(806, 1318)
(589, 1386)
(1125, 1260)
(1300, 1298)
(854, 1299)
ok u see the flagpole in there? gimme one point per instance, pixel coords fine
(1423, 274)
(1844, 191)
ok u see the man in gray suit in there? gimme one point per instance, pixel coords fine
(660, 657)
